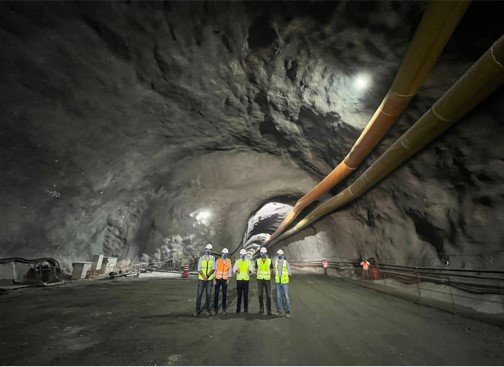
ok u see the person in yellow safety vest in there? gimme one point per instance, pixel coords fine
(223, 272)
(282, 275)
(264, 267)
(325, 265)
(243, 267)
(206, 270)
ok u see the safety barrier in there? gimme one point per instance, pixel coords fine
(478, 290)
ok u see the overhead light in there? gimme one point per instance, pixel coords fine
(203, 214)
(362, 81)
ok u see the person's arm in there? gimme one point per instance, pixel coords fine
(213, 267)
(288, 268)
(235, 268)
(230, 273)
(251, 267)
(199, 268)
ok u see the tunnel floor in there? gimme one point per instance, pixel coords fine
(149, 322)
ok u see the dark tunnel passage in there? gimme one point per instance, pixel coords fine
(162, 130)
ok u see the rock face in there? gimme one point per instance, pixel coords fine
(153, 128)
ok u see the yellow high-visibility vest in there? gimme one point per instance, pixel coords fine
(207, 267)
(263, 269)
(285, 273)
(243, 267)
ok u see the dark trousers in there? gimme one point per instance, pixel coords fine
(242, 288)
(264, 285)
(203, 286)
(218, 284)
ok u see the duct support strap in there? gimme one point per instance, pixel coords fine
(434, 31)
(482, 79)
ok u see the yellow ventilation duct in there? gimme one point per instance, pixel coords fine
(482, 79)
(434, 31)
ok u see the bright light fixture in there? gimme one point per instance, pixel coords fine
(362, 81)
(203, 214)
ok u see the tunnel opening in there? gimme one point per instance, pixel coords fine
(264, 220)
(268, 216)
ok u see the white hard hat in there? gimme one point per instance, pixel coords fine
(209, 246)
(279, 252)
(225, 251)
(263, 250)
(243, 252)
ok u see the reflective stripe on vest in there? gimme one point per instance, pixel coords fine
(263, 269)
(222, 271)
(243, 267)
(207, 267)
(285, 273)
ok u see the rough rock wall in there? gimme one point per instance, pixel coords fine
(444, 204)
(121, 122)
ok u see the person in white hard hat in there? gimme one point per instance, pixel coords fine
(282, 275)
(206, 270)
(264, 267)
(243, 268)
(223, 272)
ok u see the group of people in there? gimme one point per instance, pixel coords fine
(219, 272)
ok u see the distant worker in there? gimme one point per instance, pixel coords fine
(223, 272)
(364, 263)
(206, 270)
(282, 274)
(365, 266)
(264, 267)
(242, 268)
(325, 265)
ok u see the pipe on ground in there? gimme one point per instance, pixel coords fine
(482, 79)
(434, 31)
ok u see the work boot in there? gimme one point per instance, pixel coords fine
(237, 312)
(195, 314)
(214, 312)
(287, 314)
(223, 311)
(207, 312)
(279, 314)
(270, 314)
(261, 310)
(246, 312)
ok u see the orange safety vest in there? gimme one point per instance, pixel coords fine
(222, 268)
(365, 265)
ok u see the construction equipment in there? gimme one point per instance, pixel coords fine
(43, 271)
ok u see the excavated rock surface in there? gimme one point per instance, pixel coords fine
(124, 123)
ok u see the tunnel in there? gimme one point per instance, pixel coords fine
(334, 169)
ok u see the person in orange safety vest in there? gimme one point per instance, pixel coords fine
(223, 271)
(365, 266)
(325, 265)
